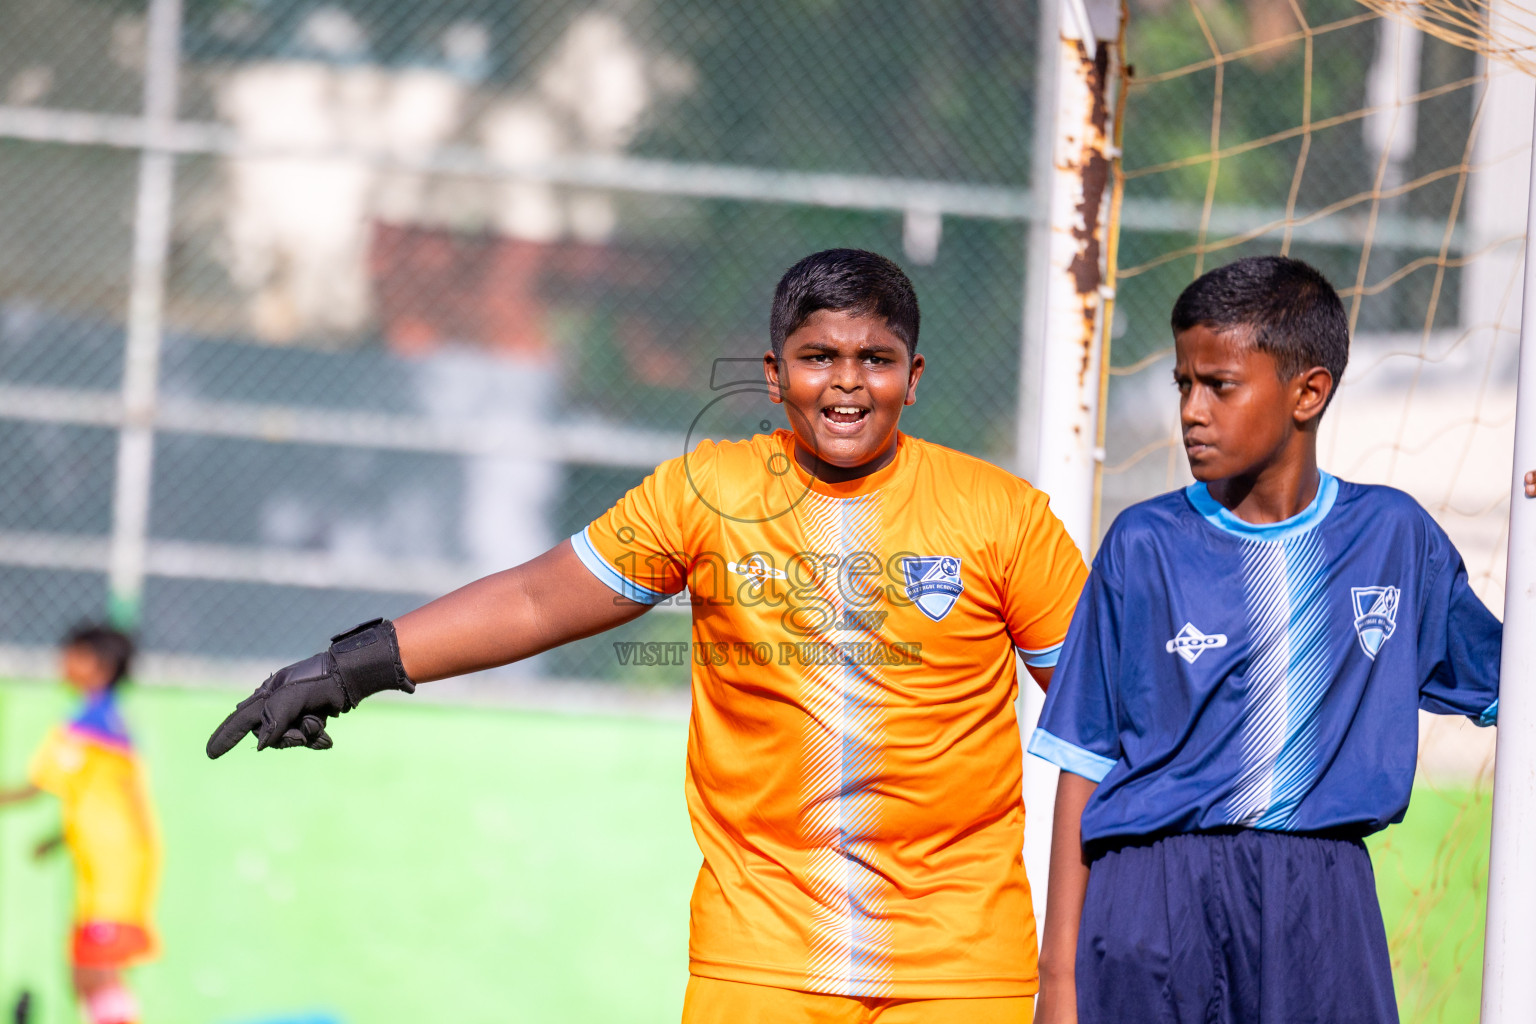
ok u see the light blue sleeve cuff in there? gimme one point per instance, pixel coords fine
(1069, 756)
(1490, 715)
(1044, 658)
(609, 575)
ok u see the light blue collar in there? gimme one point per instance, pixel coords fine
(1219, 516)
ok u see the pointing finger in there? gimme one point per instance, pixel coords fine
(233, 729)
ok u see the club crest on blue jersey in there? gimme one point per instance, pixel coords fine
(1189, 643)
(933, 583)
(1375, 611)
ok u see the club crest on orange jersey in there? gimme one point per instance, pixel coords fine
(1375, 611)
(933, 583)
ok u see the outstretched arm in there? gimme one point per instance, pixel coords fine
(18, 795)
(511, 615)
(543, 603)
(1067, 888)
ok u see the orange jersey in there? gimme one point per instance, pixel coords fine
(854, 765)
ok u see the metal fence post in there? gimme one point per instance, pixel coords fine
(1509, 983)
(146, 304)
(1037, 240)
(1076, 192)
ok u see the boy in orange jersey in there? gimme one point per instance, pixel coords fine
(858, 596)
(89, 764)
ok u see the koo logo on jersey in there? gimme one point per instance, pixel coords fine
(757, 570)
(1189, 643)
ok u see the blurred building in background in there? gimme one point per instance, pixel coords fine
(440, 282)
(425, 287)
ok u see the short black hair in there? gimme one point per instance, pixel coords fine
(112, 647)
(1288, 308)
(844, 281)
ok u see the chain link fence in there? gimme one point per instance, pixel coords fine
(431, 285)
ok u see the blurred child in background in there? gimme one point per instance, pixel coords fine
(90, 765)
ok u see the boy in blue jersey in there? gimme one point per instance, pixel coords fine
(1236, 704)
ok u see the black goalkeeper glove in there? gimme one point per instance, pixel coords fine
(291, 707)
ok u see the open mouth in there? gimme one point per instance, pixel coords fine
(844, 415)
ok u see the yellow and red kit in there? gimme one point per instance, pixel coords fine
(854, 764)
(109, 827)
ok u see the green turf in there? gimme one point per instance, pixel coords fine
(452, 864)
(1431, 876)
(439, 864)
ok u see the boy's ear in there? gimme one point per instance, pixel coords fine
(913, 375)
(1312, 389)
(771, 374)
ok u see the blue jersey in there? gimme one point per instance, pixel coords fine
(1221, 673)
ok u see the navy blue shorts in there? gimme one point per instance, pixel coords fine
(1246, 927)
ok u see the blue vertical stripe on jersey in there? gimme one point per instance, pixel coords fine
(1285, 590)
(1307, 677)
(1263, 726)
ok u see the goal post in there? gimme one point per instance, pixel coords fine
(1080, 73)
(1393, 162)
(1509, 949)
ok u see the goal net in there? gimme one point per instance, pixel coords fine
(1395, 161)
